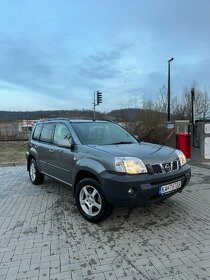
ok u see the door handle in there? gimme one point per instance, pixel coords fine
(51, 150)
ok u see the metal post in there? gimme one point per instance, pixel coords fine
(94, 106)
(169, 90)
(194, 126)
(193, 105)
(96, 102)
(169, 94)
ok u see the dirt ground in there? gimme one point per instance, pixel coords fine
(12, 151)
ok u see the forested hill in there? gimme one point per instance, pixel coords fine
(9, 116)
(117, 115)
(129, 114)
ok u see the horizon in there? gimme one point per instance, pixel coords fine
(89, 110)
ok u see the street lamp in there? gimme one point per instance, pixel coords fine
(169, 90)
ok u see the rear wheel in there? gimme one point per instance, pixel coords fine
(35, 176)
(91, 201)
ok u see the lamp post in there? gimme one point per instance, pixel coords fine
(169, 90)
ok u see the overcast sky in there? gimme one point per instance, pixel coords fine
(55, 53)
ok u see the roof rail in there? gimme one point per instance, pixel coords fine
(52, 119)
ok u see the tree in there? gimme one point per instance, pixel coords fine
(161, 104)
(183, 107)
(147, 104)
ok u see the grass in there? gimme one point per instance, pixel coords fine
(12, 151)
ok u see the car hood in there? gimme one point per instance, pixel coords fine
(149, 153)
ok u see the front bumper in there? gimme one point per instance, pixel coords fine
(146, 186)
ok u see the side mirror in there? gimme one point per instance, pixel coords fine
(64, 143)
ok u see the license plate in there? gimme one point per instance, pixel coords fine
(170, 187)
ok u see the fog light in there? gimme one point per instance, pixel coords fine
(131, 192)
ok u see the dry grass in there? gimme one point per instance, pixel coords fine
(12, 151)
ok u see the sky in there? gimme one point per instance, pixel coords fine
(54, 54)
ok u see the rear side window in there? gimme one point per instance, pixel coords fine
(47, 131)
(37, 131)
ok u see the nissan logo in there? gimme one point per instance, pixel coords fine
(167, 167)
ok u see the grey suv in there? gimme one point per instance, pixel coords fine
(105, 165)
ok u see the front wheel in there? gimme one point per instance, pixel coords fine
(35, 176)
(91, 201)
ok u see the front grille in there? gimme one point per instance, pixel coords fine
(166, 167)
(175, 165)
(156, 168)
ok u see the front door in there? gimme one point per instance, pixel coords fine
(62, 159)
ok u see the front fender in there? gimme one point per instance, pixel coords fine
(88, 165)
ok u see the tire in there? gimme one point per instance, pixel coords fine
(91, 201)
(35, 176)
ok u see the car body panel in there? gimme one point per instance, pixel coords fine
(149, 153)
(61, 163)
(146, 187)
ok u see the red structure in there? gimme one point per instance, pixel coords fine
(183, 143)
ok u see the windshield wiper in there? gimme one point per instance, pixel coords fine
(122, 142)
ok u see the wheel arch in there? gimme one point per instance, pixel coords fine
(83, 174)
(30, 157)
(87, 168)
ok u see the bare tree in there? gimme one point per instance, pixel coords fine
(161, 104)
(148, 104)
(183, 107)
(162, 100)
(205, 105)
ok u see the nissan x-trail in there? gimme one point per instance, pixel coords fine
(105, 165)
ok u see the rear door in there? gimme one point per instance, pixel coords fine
(45, 150)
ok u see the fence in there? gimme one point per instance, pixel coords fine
(11, 131)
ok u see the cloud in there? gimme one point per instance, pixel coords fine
(62, 52)
(23, 64)
(104, 64)
(26, 65)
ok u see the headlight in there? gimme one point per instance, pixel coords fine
(181, 156)
(129, 165)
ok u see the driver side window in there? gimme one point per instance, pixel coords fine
(61, 133)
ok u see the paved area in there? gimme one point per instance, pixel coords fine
(42, 235)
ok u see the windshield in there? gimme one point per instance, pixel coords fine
(102, 133)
